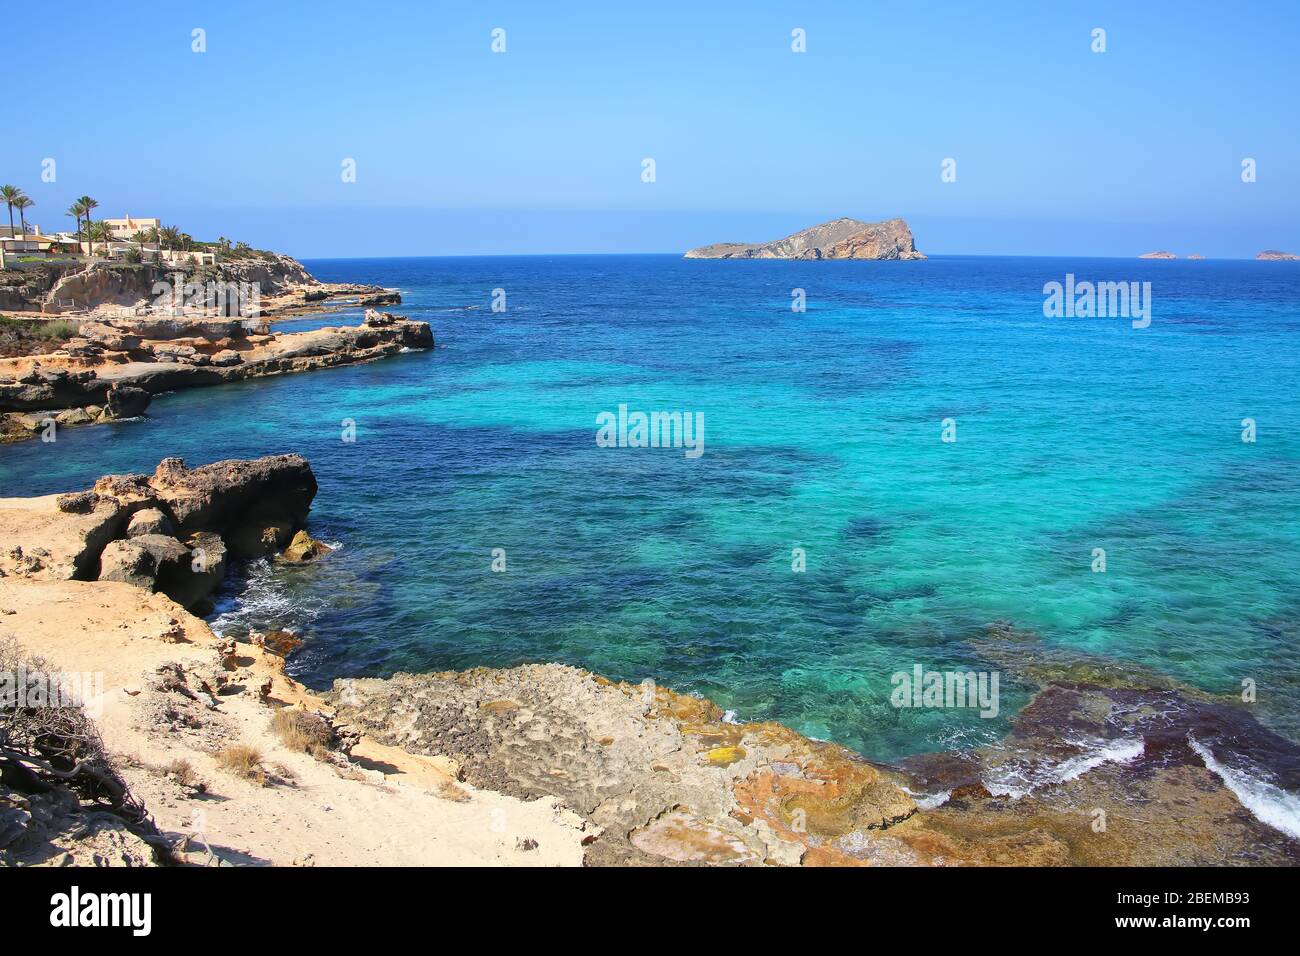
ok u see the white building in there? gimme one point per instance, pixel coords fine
(128, 227)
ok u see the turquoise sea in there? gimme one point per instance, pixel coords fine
(822, 432)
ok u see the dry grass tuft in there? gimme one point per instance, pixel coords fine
(185, 776)
(244, 762)
(303, 732)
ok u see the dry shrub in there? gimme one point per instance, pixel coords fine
(47, 744)
(244, 762)
(186, 777)
(302, 731)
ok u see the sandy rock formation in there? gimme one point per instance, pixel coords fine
(149, 521)
(169, 532)
(837, 239)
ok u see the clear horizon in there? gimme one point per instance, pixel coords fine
(539, 149)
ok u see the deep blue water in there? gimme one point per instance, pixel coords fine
(822, 432)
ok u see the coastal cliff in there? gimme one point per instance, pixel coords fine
(111, 369)
(111, 287)
(837, 239)
(550, 764)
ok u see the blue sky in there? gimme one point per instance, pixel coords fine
(459, 150)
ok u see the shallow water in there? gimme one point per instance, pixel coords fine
(822, 432)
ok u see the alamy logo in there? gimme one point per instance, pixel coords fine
(22, 689)
(1100, 300)
(651, 430)
(74, 909)
(212, 298)
(946, 689)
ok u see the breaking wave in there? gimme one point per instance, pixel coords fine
(1018, 778)
(1268, 802)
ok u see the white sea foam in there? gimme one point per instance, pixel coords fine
(928, 801)
(260, 603)
(730, 717)
(1269, 803)
(1116, 751)
(1017, 779)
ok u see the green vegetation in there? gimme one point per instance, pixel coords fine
(33, 336)
(22, 204)
(87, 206)
(11, 196)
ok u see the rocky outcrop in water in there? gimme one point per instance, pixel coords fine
(837, 239)
(1157, 255)
(1274, 255)
(112, 369)
(171, 531)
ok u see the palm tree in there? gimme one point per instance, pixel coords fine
(77, 210)
(144, 236)
(9, 195)
(87, 206)
(170, 237)
(22, 204)
(98, 230)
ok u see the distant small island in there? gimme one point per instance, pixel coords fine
(1157, 255)
(837, 239)
(1273, 255)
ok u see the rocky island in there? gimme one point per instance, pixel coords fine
(1157, 255)
(205, 750)
(837, 239)
(1274, 255)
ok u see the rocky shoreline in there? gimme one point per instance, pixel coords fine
(112, 369)
(546, 763)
